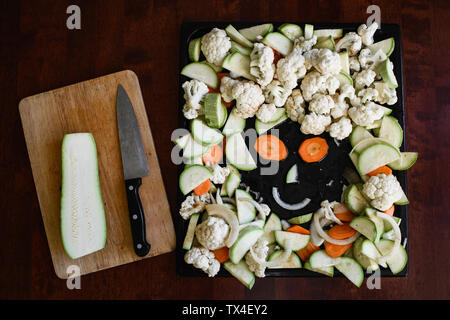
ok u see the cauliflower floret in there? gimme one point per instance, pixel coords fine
(215, 46)
(365, 115)
(266, 112)
(314, 82)
(340, 107)
(212, 233)
(327, 62)
(194, 204)
(385, 94)
(369, 94)
(383, 190)
(303, 44)
(290, 69)
(295, 106)
(315, 124)
(261, 64)
(194, 91)
(341, 129)
(321, 104)
(352, 42)
(368, 60)
(249, 97)
(277, 94)
(366, 33)
(364, 78)
(354, 64)
(226, 88)
(203, 259)
(219, 173)
(261, 250)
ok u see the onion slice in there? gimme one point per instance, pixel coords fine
(329, 239)
(218, 197)
(288, 206)
(396, 231)
(229, 216)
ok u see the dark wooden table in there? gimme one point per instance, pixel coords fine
(38, 53)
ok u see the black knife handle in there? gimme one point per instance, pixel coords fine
(137, 218)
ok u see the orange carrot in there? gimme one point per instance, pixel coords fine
(390, 211)
(313, 149)
(277, 56)
(384, 169)
(211, 90)
(307, 251)
(298, 229)
(341, 231)
(214, 155)
(343, 213)
(221, 254)
(270, 147)
(202, 188)
(334, 250)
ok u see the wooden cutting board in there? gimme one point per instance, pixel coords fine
(90, 106)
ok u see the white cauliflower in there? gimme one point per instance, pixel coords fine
(226, 88)
(212, 233)
(194, 204)
(314, 82)
(261, 64)
(303, 44)
(352, 42)
(340, 107)
(194, 91)
(261, 250)
(203, 259)
(291, 69)
(219, 173)
(321, 104)
(366, 33)
(384, 190)
(327, 62)
(365, 115)
(295, 106)
(276, 93)
(385, 94)
(368, 60)
(310, 56)
(364, 78)
(215, 46)
(315, 124)
(266, 112)
(354, 64)
(248, 96)
(368, 94)
(341, 129)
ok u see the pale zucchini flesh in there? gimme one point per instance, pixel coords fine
(83, 222)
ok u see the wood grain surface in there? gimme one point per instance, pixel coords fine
(38, 53)
(90, 106)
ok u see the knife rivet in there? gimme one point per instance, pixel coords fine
(135, 216)
(139, 246)
(130, 188)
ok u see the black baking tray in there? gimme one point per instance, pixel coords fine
(314, 176)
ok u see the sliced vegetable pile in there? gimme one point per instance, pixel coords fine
(324, 81)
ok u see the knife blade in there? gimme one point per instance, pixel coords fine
(135, 166)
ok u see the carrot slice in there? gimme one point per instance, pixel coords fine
(270, 147)
(341, 231)
(334, 250)
(390, 211)
(313, 149)
(276, 56)
(307, 251)
(384, 169)
(214, 155)
(202, 188)
(221, 254)
(298, 229)
(343, 213)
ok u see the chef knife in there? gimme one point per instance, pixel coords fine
(135, 167)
